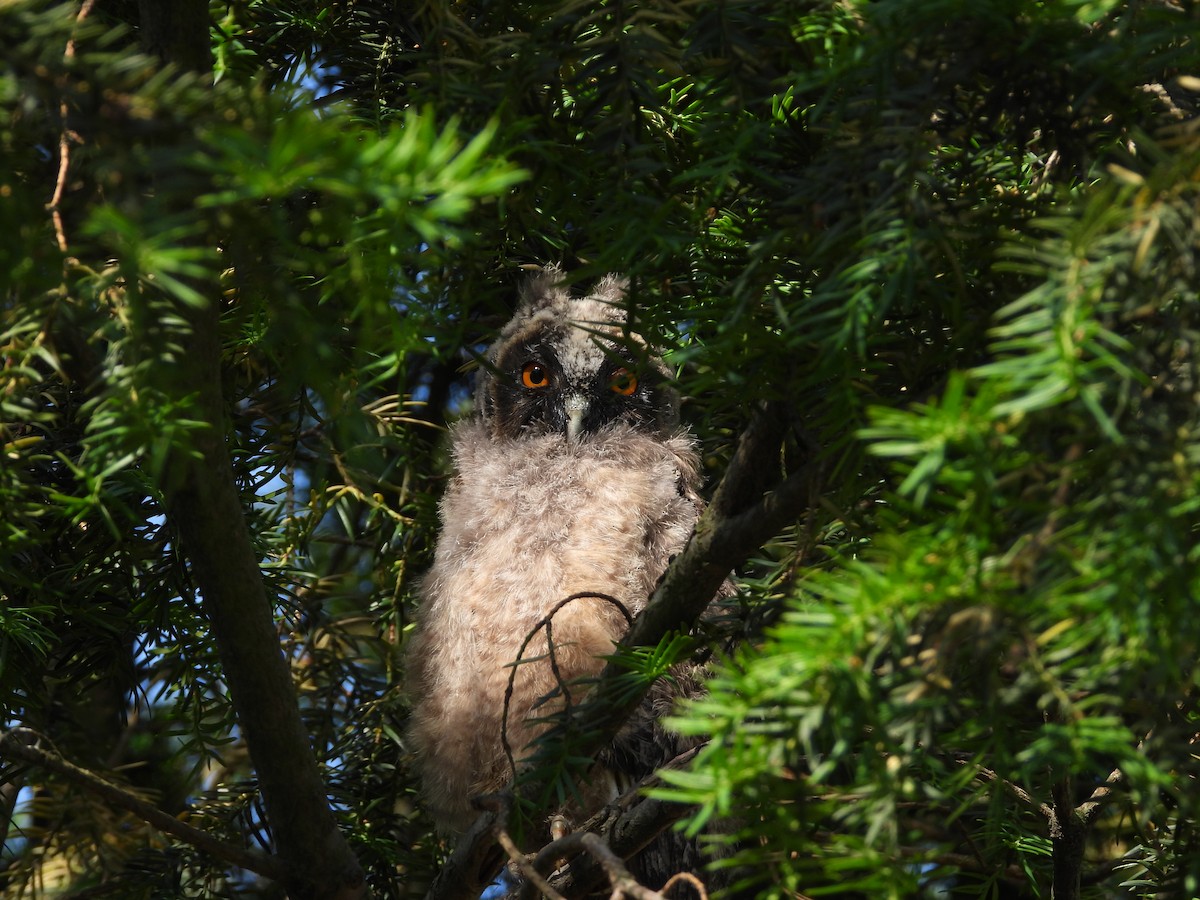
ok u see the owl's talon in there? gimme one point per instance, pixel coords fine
(560, 827)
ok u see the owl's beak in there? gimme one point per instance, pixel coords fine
(576, 407)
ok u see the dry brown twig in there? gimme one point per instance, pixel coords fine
(622, 881)
(522, 862)
(65, 138)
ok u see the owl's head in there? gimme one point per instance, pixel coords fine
(571, 366)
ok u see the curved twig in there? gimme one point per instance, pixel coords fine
(545, 622)
(65, 138)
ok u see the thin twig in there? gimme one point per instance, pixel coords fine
(1017, 791)
(544, 622)
(532, 875)
(22, 744)
(66, 136)
(696, 883)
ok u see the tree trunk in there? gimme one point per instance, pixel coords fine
(203, 502)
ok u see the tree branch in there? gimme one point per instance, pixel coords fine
(66, 138)
(472, 865)
(1067, 833)
(743, 515)
(21, 744)
(1090, 807)
(1016, 790)
(203, 501)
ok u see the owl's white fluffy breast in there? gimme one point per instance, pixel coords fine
(530, 521)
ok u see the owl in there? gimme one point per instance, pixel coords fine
(573, 476)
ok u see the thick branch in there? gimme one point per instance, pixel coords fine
(1067, 833)
(1069, 826)
(472, 865)
(21, 744)
(741, 518)
(203, 501)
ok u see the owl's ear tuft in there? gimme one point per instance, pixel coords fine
(611, 289)
(544, 289)
(608, 301)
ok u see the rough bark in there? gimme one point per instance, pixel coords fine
(207, 510)
(1068, 833)
(203, 503)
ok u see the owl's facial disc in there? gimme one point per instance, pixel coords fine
(574, 394)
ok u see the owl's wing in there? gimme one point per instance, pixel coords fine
(645, 744)
(641, 748)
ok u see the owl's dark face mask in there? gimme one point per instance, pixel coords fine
(540, 392)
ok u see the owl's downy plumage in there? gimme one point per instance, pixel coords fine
(573, 476)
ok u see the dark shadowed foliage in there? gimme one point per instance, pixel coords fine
(927, 272)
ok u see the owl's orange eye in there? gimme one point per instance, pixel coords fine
(534, 375)
(623, 382)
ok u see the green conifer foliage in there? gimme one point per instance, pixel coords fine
(926, 269)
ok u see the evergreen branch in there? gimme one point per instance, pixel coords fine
(1067, 827)
(22, 744)
(746, 511)
(203, 500)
